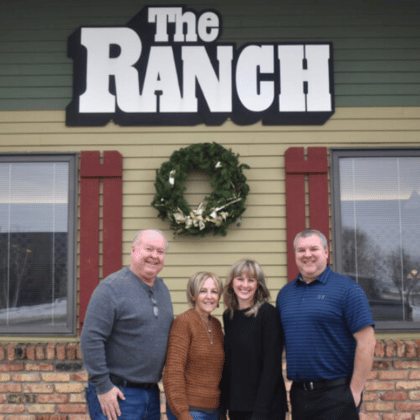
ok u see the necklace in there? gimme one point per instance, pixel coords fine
(208, 329)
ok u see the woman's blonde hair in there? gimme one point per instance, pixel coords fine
(196, 281)
(262, 294)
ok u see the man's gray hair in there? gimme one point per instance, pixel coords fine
(140, 233)
(310, 232)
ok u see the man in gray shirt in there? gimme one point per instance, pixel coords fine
(125, 335)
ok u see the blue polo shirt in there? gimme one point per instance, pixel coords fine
(319, 320)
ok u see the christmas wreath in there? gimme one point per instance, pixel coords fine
(217, 211)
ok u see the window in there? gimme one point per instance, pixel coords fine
(37, 223)
(376, 212)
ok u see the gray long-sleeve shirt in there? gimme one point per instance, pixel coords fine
(121, 334)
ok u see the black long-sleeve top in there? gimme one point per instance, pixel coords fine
(252, 376)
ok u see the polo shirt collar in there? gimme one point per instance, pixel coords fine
(322, 278)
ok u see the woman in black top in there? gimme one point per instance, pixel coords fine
(252, 386)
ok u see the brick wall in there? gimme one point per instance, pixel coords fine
(42, 382)
(46, 382)
(393, 389)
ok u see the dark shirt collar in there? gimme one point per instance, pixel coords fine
(322, 278)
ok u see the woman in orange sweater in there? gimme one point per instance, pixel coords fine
(195, 356)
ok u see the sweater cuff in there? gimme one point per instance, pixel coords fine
(103, 387)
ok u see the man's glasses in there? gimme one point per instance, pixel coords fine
(154, 303)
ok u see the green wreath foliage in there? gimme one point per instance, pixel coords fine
(221, 208)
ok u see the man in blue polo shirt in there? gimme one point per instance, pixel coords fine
(329, 335)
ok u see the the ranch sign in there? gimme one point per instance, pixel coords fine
(165, 67)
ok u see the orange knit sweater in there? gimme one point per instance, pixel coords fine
(193, 367)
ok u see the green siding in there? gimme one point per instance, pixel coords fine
(376, 43)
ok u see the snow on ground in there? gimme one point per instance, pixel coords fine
(45, 313)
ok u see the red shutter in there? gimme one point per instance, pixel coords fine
(91, 173)
(315, 168)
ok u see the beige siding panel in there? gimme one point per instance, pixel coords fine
(129, 136)
(263, 173)
(176, 275)
(144, 149)
(273, 275)
(263, 187)
(136, 163)
(340, 113)
(204, 247)
(234, 235)
(262, 199)
(223, 257)
(36, 143)
(252, 211)
(248, 223)
(267, 143)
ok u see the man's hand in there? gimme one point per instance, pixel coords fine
(109, 403)
(363, 359)
(357, 397)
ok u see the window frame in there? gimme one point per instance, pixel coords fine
(336, 154)
(54, 330)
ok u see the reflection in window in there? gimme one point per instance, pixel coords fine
(377, 230)
(36, 213)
